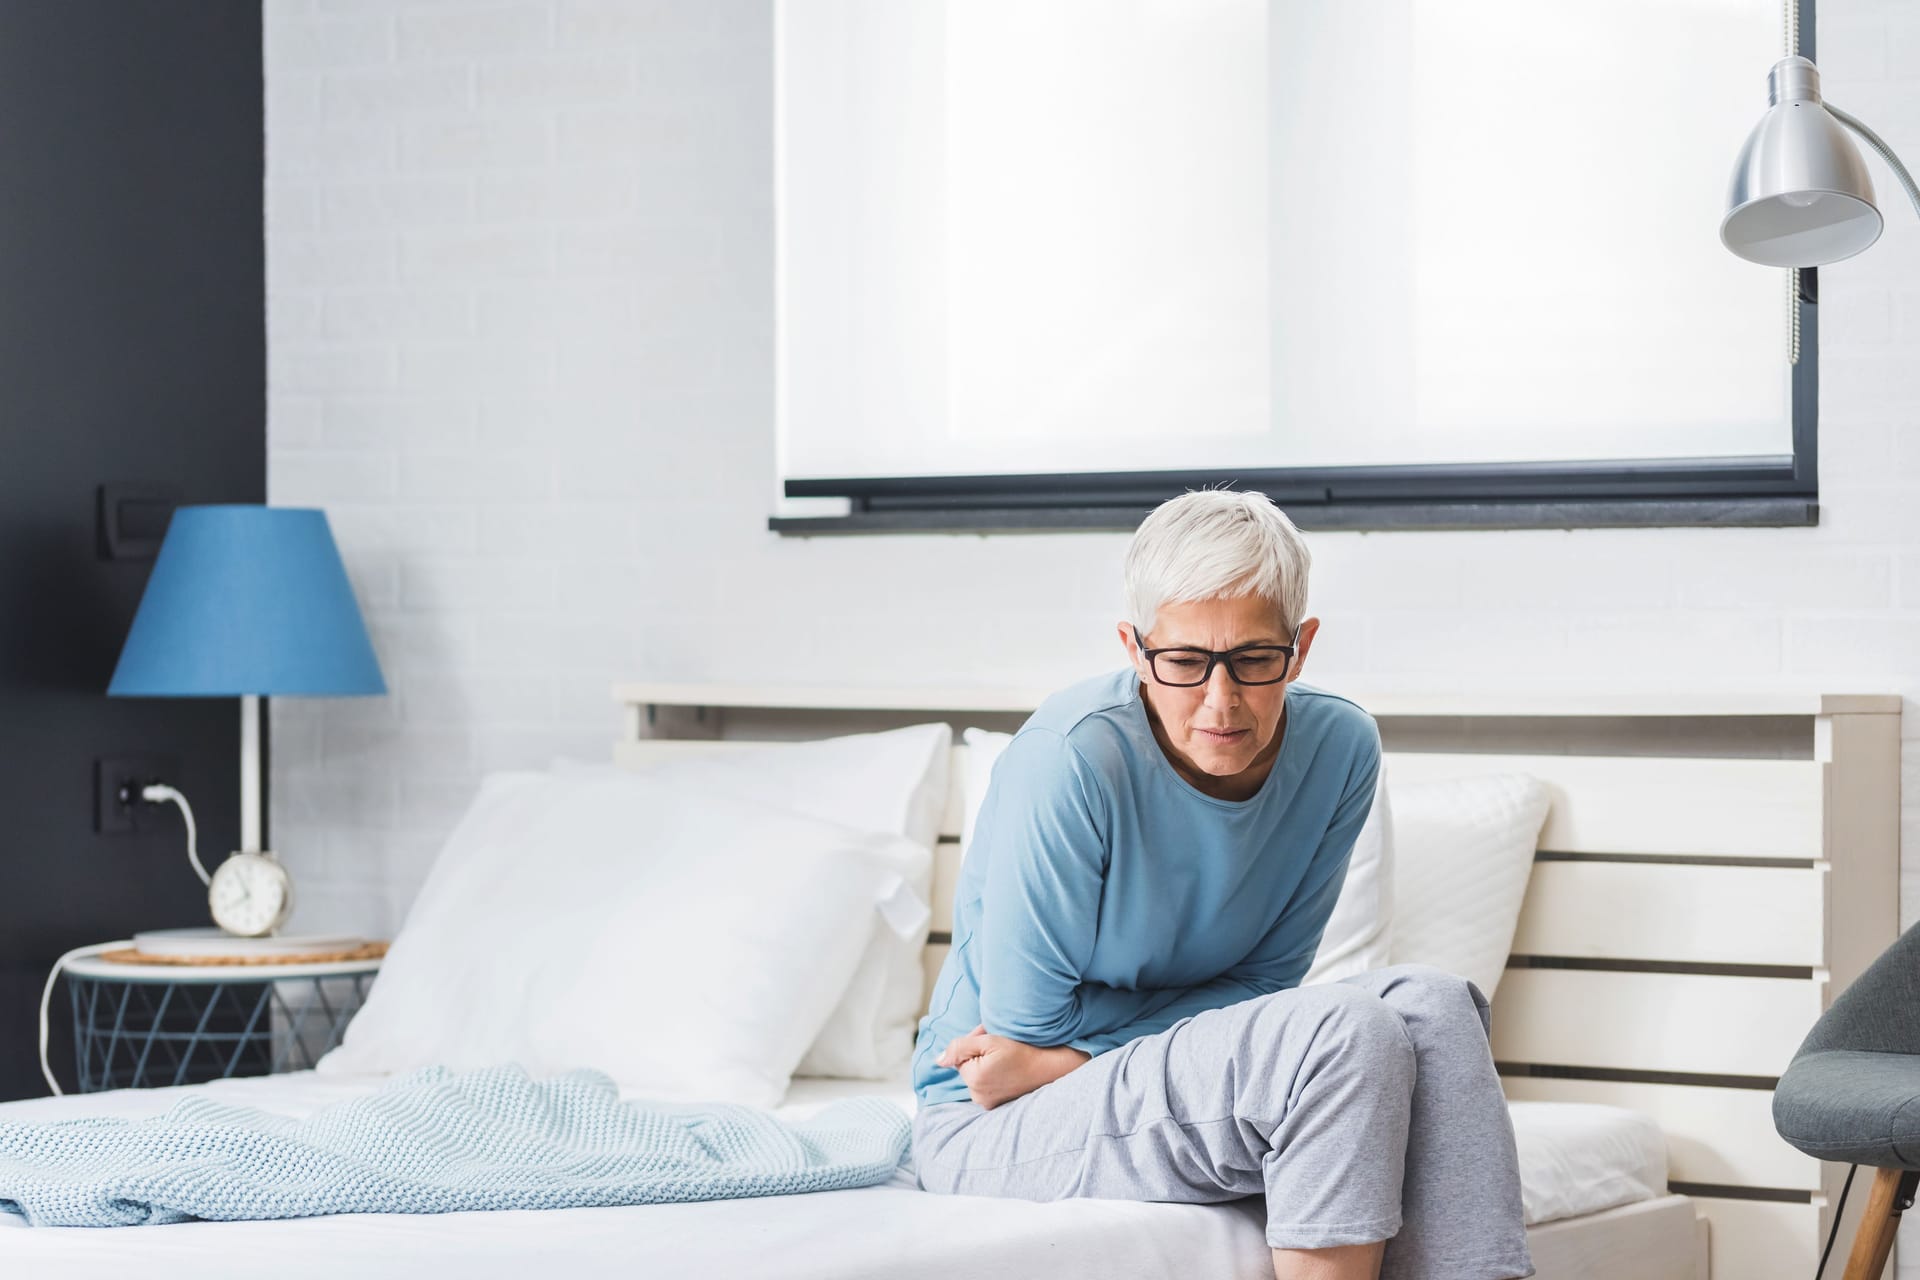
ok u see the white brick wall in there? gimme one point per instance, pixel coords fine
(520, 333)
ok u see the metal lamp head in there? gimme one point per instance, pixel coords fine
(1800, 195)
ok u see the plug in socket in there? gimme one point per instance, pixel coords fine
(112, 775)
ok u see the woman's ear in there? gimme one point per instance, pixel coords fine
(1308, 630)
(1132, 646)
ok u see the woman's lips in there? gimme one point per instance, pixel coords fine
(1216, 735)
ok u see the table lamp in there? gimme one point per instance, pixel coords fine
(247, 602)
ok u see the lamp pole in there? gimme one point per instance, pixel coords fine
(249, 773)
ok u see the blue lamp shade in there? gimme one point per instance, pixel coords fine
(247, 600)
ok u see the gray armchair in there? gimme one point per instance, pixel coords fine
(1852, 1093)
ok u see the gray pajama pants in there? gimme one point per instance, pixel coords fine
(1364, 1110)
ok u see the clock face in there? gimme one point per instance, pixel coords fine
(250, 894)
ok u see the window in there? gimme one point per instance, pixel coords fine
(1400, 264)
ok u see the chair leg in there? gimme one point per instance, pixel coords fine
(1892, 1195)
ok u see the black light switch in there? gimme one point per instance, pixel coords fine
(132, 519)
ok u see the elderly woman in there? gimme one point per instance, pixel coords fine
(1121, 1015)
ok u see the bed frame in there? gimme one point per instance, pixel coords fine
(1712, 871)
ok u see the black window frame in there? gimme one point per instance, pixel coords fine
(1773, 490)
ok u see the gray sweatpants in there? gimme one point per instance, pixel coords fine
(1364, 1110)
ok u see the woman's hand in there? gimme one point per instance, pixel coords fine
(999, 1070)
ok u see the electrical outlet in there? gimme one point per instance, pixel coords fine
(112, 775)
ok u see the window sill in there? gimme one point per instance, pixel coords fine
(1350, 517)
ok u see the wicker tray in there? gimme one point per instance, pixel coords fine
(128, 955)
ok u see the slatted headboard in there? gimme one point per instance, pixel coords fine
(1713, 869)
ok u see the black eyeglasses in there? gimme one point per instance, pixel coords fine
(1248, 664)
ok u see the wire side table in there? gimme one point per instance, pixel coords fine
(136, 1026)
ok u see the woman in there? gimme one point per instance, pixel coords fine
(1156, 857)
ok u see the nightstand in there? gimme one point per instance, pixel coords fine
(140, 1025)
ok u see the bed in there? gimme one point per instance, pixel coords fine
(1573, 1156)
(1714, 867)
(1691, 909)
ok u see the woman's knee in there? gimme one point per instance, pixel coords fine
(1430, 981)
(1430, 993)
(1356, 1022)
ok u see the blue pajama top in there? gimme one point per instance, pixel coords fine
(1104, 897)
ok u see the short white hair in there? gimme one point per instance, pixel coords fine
(1217, 542)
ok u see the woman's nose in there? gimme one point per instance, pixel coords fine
(1221, 689)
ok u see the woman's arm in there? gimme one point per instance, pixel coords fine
(1044, 823)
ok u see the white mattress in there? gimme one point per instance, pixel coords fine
(1575, 1159)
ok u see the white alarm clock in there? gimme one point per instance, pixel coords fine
(250, 894)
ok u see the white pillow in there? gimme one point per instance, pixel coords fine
(983, 748)
(895, 780)
(1463, 849)
(1358, 933)
(689, 943)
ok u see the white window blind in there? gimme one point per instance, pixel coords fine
(1053, 236)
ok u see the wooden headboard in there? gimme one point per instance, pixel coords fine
(1713, 869)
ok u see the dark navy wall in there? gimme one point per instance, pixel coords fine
(132, 351)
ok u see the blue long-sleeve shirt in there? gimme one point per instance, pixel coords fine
(1104, 897)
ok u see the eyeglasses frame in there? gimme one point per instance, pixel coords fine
(1214, 658)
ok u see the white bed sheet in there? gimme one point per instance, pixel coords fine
(1575, 1159)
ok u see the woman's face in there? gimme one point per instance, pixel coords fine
(1221, 727)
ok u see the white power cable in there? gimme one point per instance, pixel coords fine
(155, 793)
(46, 997)
(160, 791)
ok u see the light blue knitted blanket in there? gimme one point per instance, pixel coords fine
(436, 1141)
